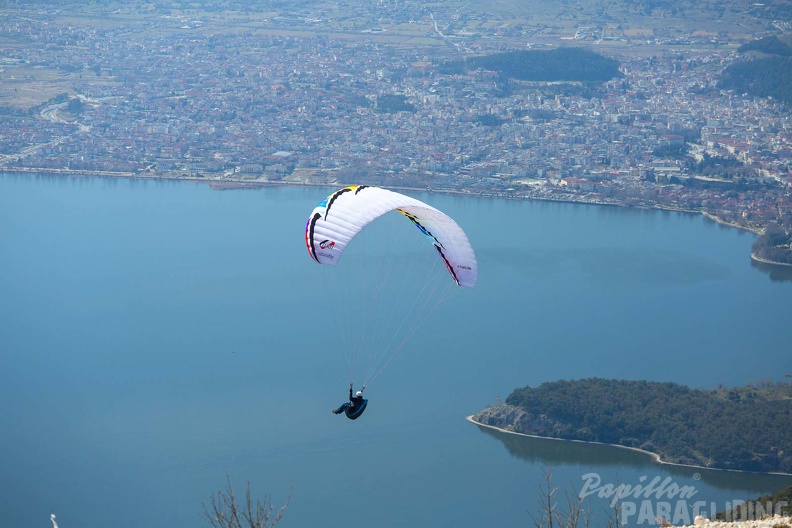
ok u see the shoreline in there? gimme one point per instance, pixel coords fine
(242, 184)
(757, 258)
(657, 458)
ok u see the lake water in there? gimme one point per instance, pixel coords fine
(158, 336)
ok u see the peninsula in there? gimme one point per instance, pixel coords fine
(677, 424)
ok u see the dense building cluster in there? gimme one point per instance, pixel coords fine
(166, 100)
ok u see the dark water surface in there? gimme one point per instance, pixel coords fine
(157, 336)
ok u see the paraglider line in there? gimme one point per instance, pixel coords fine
(383, 347)
(424, 313)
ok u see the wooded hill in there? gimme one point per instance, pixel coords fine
(779, 502)
(743, 428)
(561, 64)
(765, 70)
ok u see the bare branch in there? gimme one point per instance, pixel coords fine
(569, 516)
(224, 510)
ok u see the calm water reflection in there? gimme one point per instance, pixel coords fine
(157, 336)
(551, 452)
(776, 273)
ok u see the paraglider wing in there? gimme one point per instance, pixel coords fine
(342, 215)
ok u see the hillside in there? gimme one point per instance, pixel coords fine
(682, 425)
(780, 502)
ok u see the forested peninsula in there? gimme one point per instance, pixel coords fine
(743, 428)
(774, 245)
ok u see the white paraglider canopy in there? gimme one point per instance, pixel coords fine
(390, 279)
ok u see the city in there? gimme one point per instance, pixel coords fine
(168, 99)
(179, 180)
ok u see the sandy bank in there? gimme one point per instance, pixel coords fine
(654, 456)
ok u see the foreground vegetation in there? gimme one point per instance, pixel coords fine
(227, 510)
(780, 501)
(681, 425)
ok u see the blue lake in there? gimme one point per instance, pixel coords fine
(158, 336)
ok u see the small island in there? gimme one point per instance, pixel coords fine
(677, 424)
